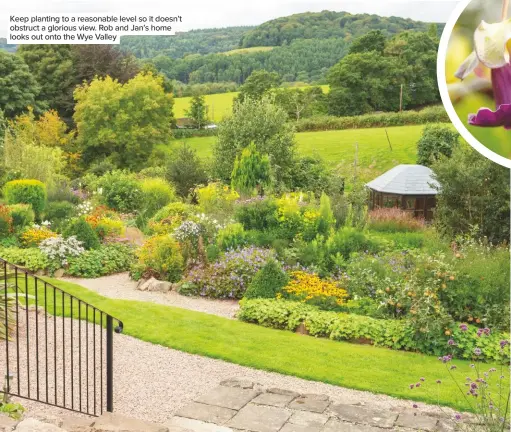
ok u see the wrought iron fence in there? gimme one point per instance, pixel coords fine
(59, 349)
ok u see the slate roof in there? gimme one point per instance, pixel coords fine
(406, 180)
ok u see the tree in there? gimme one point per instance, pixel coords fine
(299, 102)
(258, 84)
(92, 61)
(251, 172)
(473, 195)
(198, 111)
(266, 126)
(122, 122)
(185, 171)
(18, 87)
(434, 142)
(53, 68)
(362, 83)
(372, 41)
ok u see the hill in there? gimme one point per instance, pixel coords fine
(326, 24)
(202, 42)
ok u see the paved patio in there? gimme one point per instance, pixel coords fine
(237, 405)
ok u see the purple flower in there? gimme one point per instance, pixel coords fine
(451, 342)
(477, 351)
(422, 379)
(438, 382)
(453, 367)
(463, 327)
(412, 386)
(503, 343)
(418, 385)
(415, 406)
(457, 417)
(490, 42)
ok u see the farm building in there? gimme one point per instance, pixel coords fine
(409, 187)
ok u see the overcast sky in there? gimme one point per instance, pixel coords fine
(224, 13)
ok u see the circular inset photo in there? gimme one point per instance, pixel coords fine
(474, 75)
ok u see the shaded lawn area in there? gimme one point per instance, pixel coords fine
(361, 367)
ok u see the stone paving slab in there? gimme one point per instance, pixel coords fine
(290, 427)
(207, 413)
(310, 403)
(228, 397)
(334, 425)
(259, 418)
(196, 425)
(272, 399)
(304, 418)
(356, 414)
(427, 424)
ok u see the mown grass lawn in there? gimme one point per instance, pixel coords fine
(354, 366)
(338, 148)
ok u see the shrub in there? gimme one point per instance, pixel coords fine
(58, 250)
(59, 213)
(436, 141)
(105, 222)
(232, 237)
(257, 214)
(217, 199)
(159, 257)
(267, 282)
(33, 236)
(156, 193)
(395, 334)
(83, 232)
(231, 275)
(31, 192)
(6, 221)
(32, 258)
(251, 173)
(120, 191)
(169, 217)
(310, 288)
(22, 216)
(394, 220)
(106, 260)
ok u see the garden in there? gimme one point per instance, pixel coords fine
(286, 234)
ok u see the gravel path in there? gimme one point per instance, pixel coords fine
(121, 286)
(151, 382)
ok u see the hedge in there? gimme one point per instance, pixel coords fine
(434, 114)
(394, 334)
(24, 191)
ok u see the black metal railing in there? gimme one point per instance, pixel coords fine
(59, 349)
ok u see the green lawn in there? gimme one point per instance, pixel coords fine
(337, 148)
(349, 365)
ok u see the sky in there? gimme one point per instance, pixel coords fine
(224, 13)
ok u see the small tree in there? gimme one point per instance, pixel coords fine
(258, 84)
(198, 111)
(436, 141)
(267, 282)
(251, 172)
(185, 171)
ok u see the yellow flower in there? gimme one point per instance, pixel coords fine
(310, 286)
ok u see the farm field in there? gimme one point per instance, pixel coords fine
(248, 50)
(338, 148)
(219, 105)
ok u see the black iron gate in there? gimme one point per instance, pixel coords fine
(59, 349)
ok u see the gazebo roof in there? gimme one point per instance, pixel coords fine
(406, 180)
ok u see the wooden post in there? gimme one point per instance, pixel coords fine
(401, 99)
(356, 161)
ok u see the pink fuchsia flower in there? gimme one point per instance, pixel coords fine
(490, 42)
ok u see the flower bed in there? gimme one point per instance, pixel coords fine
(395, 334)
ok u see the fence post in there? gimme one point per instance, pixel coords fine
(109, 364)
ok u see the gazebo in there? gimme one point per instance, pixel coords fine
(409, 187)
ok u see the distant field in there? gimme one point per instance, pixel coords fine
(219, 105)
(337, 148)
(248, 50)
